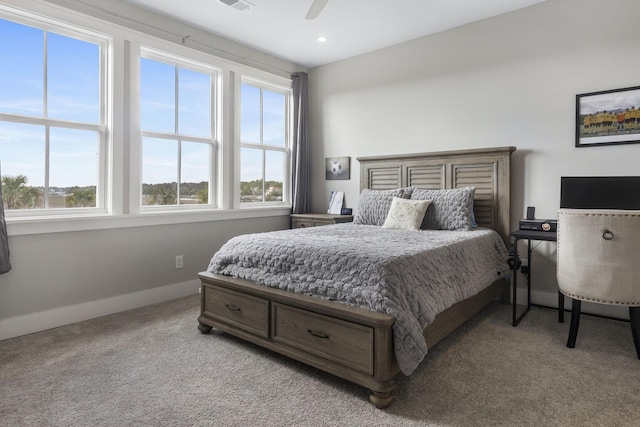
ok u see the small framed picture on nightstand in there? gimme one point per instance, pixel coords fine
(335, 202)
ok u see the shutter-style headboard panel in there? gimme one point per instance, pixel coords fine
(384, 178)
(487, 169)
(431, 177)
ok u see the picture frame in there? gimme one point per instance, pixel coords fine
(337, 168)
(610, 117)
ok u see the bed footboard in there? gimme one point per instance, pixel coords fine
(352, 343)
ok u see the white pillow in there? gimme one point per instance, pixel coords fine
(406, 214)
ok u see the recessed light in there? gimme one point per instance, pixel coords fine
(322, 39)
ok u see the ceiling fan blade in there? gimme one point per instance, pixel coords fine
(316, 8)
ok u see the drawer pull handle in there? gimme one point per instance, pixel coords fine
(315, 334)
(232, 307)
(607, 235)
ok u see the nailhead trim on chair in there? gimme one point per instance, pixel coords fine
(632, 304)
(600, 214)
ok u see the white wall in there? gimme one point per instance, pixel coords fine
(61, 278)
(508, 80)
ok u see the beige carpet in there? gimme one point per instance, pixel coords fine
(151, 367)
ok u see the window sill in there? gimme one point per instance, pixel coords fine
(40, 225)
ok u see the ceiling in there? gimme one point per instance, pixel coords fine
(352, 27)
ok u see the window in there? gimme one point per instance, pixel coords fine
(177, 111)
(124, 128)
(52, 119)
(264, 135)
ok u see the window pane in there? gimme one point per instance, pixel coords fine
(22, 159)
(73, 79)
(274, 175)
(194, 183)
(159, 171)
(273, 122)
(194, 104)
(250, 114)
(73, 168)
(22, 82)
(251, 187)
(157, 96)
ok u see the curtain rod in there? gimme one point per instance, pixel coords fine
(132, 23)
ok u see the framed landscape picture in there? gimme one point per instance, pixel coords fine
(609, 117)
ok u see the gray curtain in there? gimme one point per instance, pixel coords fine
(300, 182)
(5, 265)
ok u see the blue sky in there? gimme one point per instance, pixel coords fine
(273, 127)
(158, 114)
(73, 95)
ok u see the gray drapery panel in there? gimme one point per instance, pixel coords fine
(300, 182)
(5, 265)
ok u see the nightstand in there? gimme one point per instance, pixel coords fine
(315, 220)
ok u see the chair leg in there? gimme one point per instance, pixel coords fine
(560, 307)
(575, 323)
(634, 318)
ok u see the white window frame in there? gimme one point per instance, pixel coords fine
(121, 151)
(182, 61)
(287, 91)
(105, 43)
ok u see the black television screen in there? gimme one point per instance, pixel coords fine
(600, 192)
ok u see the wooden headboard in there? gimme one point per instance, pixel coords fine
(486, 169)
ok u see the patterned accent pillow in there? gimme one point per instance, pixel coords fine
(374, 205)
(406, 214)
(449, 209)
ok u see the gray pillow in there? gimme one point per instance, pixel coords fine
(374, 205)
(449, 209)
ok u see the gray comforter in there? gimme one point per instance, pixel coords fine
(411, 275)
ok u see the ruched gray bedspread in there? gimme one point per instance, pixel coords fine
(411, 275)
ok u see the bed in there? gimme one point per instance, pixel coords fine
(349, 341)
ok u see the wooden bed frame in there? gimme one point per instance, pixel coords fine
(352, 343)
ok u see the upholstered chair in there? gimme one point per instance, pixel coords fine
(599, 261)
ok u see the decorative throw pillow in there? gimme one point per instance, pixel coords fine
(406, 214)
(374, 205)
(449, 209)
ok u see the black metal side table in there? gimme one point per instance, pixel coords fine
(548, 236)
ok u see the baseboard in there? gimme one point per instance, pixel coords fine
(48, 319)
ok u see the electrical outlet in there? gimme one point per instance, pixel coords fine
(179, 261)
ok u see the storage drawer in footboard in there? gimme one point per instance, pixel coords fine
(337, 340)
(243, 311)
